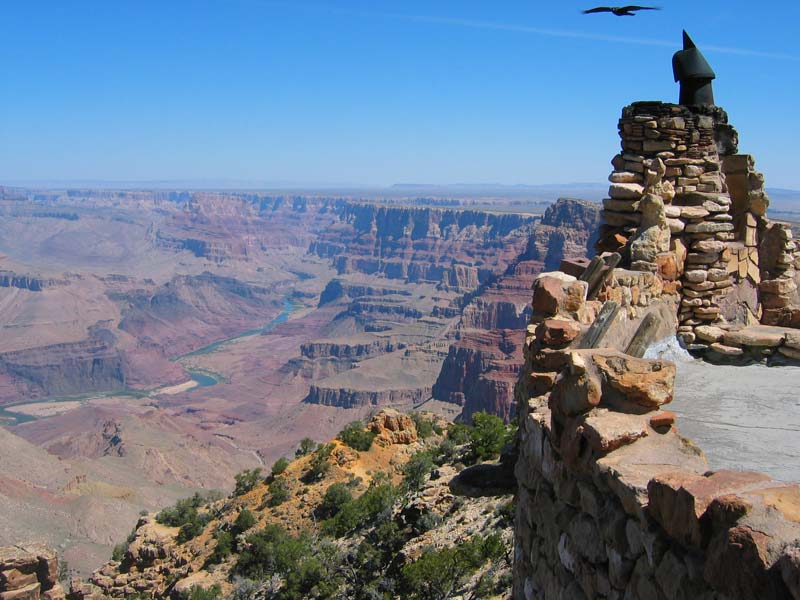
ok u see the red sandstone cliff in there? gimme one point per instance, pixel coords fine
(482, 365)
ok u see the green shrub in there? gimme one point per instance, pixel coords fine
(181, 512)
(193, 527)
(336, 496)
(246, 481)
(244, 521)
(307, 569)
(279, 466)
(355, 436)
(318, 466)
(371, 508)
(245, 589)
(118, 553)
(459, 433)
(437, 574)
(199, 593)
(446, 452)
(417, 469)
(426, 522)
(426, 427)
(271, 551)
(184, 514)
(278, 492)
(488, 436)
(225, 546)
(307, 446)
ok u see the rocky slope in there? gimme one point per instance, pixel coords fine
(393, 514)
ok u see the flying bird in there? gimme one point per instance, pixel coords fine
(620, 11)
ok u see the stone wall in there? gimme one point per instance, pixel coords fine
(29, 573)
(612, 501)
(682, 203)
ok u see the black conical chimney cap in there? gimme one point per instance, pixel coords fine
(687, 41)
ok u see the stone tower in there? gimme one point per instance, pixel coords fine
(685, 204)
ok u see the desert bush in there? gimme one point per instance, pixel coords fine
(437, 574)
(370, 509)
(307, 446)
(244, 589)
(279, 466)
(199, 593)
(336, 496)
(225, 546)
(426, 427)
(246, 481)
(355, 436)
(319, 465)
(417, 469)
(118, 553)
(278, 492)
(488, 436)
(182, 511)
(459, 433)
(244, 521)
(193, 527)
(307, 569)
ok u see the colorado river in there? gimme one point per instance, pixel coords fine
(203, 378)
(206, 379)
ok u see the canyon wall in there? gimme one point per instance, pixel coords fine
(456, 249)
(483, 364)
(61, 369)
(569, 229)
(352, 398)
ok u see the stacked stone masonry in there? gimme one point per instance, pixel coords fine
(683, 204)
(612, 502)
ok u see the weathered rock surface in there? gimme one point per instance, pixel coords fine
(29, 573)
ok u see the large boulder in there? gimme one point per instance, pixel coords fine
(558, 293)
(630, 381)
(393, 427)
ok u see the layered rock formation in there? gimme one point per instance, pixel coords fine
(32, 283)
(479, 372)
(409, 243)
(569, 229)
(62, 369)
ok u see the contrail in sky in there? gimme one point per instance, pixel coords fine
(492, 26)
(495, 26)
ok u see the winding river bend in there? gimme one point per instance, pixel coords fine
(207, 379)
(203, 378)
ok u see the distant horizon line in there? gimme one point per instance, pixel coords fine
(265, 185)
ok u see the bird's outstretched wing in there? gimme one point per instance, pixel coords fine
(599, 9)
(631, 8)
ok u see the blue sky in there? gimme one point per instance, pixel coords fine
(372, 93)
